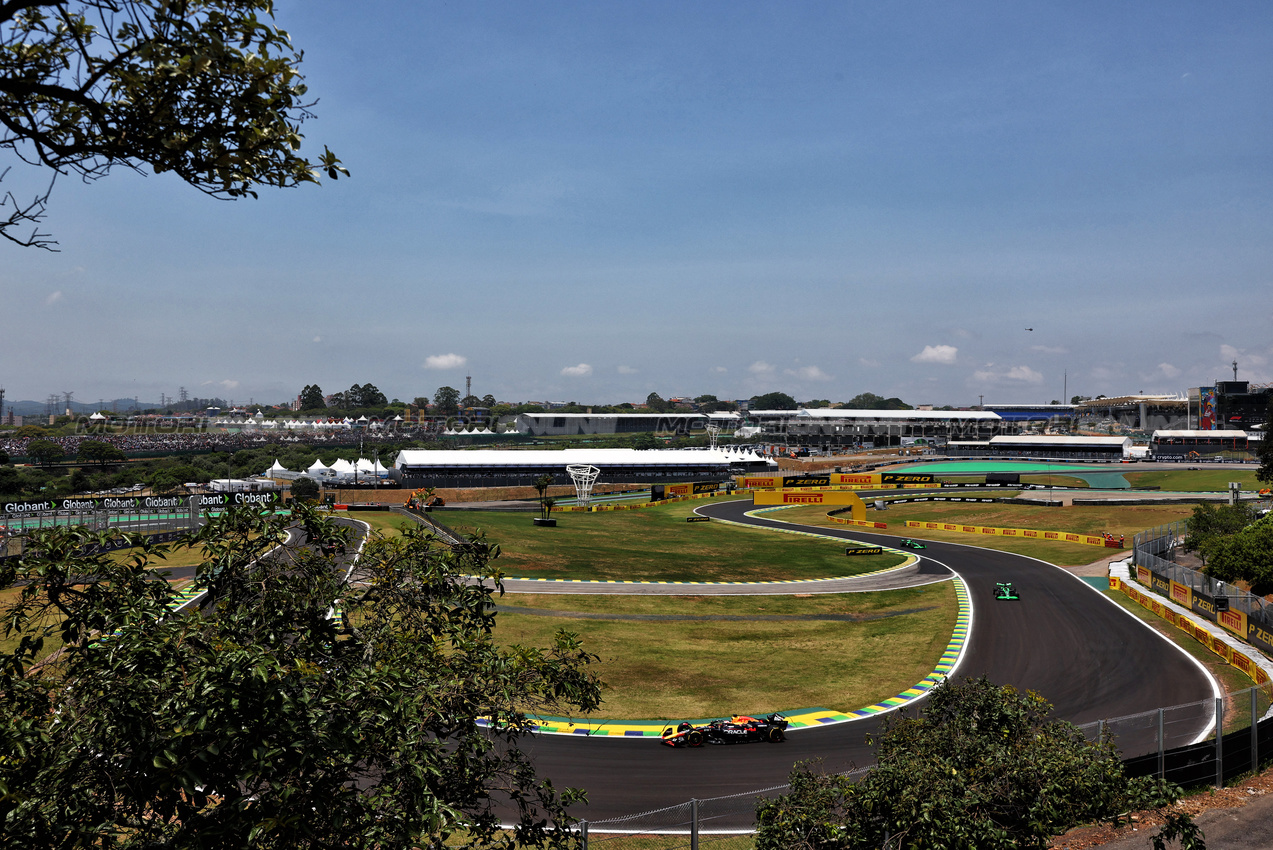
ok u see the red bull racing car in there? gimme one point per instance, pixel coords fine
(739, 729)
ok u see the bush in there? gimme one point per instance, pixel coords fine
(983, 769)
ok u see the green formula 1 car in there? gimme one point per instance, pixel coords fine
(911, 544)
(1005, 591)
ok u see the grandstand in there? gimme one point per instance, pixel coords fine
(496, 468)
(552, 424)
(1064, 448)
(1185, 443)
(836, 427)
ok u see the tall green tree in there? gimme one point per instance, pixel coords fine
(99, 452)
(208, 90)
(1265, 454)
(312, 397)
(983, 769)
(657, 403)
(45, 452)
(297, 709)
(773, 401)
(446, 401)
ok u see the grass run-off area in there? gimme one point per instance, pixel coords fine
(1195, 480)
(656, 544)
(1083, 519)
(676, 658)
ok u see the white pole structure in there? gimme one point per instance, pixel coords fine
(584, 477)
(713, 434)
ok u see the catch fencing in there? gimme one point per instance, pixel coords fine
(1154, 550)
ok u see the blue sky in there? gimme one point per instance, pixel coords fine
(594, 201)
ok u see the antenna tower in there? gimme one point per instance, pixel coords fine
(468, 386)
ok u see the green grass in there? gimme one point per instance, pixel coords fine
(384, 522)
(1122, 519)
(664, 669)
(656, 544)
(1194, 480)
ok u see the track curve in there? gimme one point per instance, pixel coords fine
(1083, 653)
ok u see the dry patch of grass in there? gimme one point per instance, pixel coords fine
(693, 663)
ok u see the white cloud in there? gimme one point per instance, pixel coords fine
(627, 370)
(760, 367)
(936, 354)
(318, 339)
(444, 361)
(868, 362)
(583, 370)
(1245, 358)
(1049, 349)
(1168, 370)
(55, 297)
(809, 373)
(226, 384)
(719, 369)
(1015, 374)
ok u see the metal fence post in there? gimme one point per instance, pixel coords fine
(1162, 747)
(583, 834)
(1219, 742)
(693, 824)
(1255, 730)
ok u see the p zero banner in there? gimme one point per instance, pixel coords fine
(690, 489)
(806, 481)
(905, 478)
(1256, 636)
(862, 550)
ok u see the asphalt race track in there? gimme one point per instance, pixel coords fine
(1083, 653)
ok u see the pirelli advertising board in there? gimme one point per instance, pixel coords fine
(813, 497)
(1231, 620)
(833, 479)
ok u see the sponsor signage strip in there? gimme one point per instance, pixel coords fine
(126, 504)
(1027, 533)
(1256, 636)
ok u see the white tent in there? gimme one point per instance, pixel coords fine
(342, 467)
(277, 467)
(380, 469)
(365, 467)
(317, 468)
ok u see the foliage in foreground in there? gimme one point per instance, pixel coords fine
(264, 720)
(983, 769)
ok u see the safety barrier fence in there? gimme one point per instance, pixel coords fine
(1252, 618)
(1148, 741)
(160, 526)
